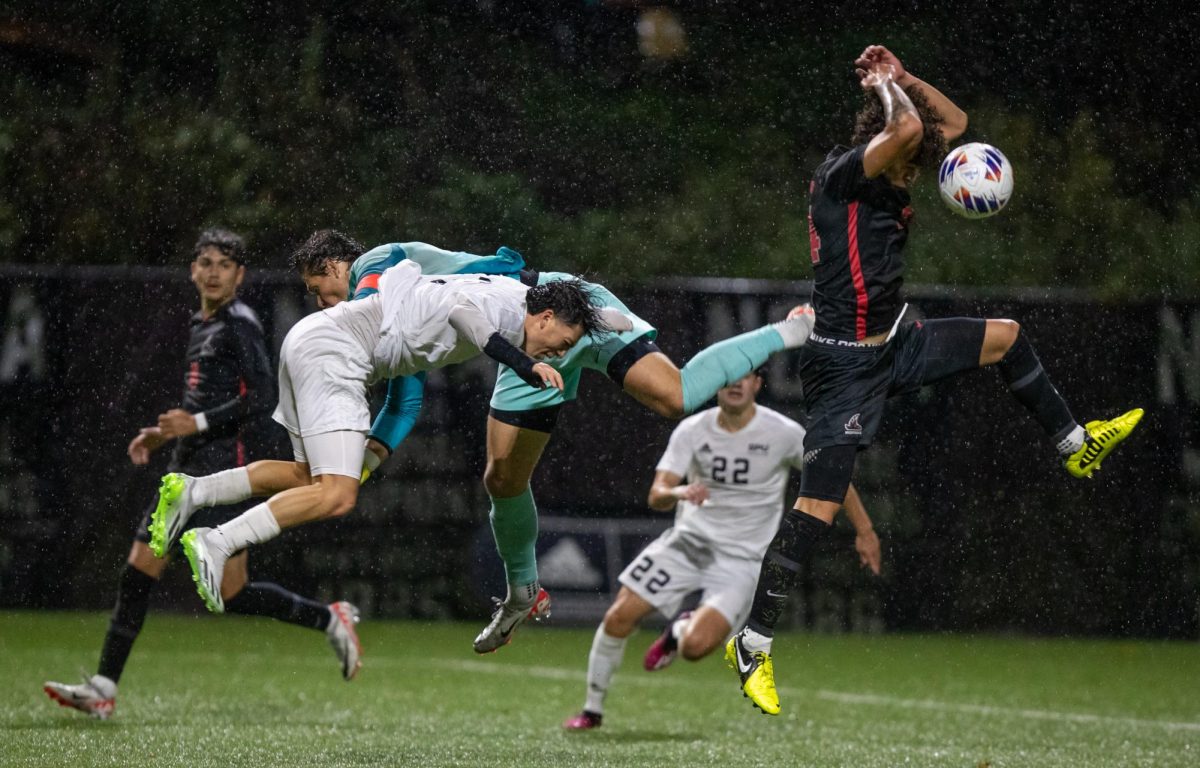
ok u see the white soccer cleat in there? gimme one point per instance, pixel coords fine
(344, 639)
(796, 328)
(95, 696)
(507, 618)
(172, 512)
(208, 566)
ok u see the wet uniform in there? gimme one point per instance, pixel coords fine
(858, 228)
(513, 401)
(228, 378)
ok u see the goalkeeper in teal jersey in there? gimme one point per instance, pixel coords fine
(521, 417)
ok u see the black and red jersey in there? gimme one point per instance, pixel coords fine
(228, 378)
(857, 228)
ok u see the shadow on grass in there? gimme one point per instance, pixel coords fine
(635, 736)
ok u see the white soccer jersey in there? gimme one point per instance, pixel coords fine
(746, 473)
(413, 318)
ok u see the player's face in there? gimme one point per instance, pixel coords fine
(740, 394)
(216, 276)
(546, 336)
(331, 288)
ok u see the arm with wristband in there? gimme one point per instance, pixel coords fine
(394, 422)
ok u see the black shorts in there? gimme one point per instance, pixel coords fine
(845, 387)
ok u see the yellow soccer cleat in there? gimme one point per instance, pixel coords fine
(1102, 437)
(757, 674)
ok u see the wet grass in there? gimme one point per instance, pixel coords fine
(238, 692)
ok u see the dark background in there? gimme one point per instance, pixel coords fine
(982, 529)
(555, 128)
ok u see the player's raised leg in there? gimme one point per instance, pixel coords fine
(656, 382)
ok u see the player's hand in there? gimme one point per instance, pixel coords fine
(696, 493)
(877, 54)
(877, 74)
(547, 375)
(177, 423)
(148, 440)
(866, 543)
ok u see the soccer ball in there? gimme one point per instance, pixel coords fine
(976, 180)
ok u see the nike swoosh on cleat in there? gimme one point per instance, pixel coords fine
(746, 667)
(774, 594)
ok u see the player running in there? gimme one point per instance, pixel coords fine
(860, 354)
(521, 419)
(736, 458)
(228, 390)
(415, 323)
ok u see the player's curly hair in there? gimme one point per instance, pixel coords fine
(870, 122)
(228, 243)
(571, 302)
(321, 248)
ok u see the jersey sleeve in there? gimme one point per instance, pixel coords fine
(401, 407)
(257, 392)
(368, 268)
(677, 459)
(844, 175)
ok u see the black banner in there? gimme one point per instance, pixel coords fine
(982, 528)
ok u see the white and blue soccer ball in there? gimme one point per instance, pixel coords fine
(976, 180)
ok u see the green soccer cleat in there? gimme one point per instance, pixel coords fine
(208, 566)
(1102, 437)
(172, 512)
(757, 674)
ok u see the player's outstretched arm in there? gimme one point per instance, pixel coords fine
(902, 129)
(954, 119)
(866, 542)
(666, 491)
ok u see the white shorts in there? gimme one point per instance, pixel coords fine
(323, 375)
(331, 453)
(677, 563)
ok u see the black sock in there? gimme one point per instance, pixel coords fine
(262, 598)
(789, 550)
(133, 600)
(1028, 382)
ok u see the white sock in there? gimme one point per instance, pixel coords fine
(753, 641)
(254, 526)
(605, 657)
(795, 331)
(227, 487)
(679, 626)
(1072, 442)
(522, 594)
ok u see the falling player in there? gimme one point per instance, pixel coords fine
(521, 418)
(415, 323)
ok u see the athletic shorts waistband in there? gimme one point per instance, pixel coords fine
(843, 343)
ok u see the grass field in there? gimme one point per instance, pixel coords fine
(241, 692)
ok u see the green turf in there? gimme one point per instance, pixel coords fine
(232, 691)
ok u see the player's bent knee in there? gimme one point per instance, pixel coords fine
(502, 482)
(617, 623)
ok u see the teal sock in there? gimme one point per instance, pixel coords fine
(515, 528)
(725, 362)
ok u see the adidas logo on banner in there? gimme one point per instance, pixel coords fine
(566, 565)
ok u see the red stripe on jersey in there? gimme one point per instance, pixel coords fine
(856, 274)
(370, 281)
